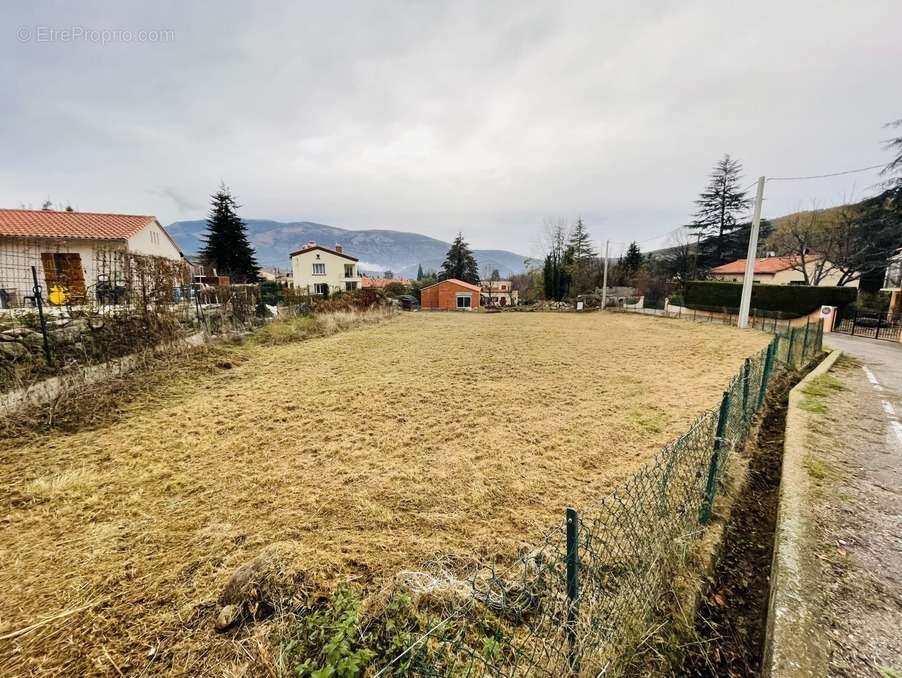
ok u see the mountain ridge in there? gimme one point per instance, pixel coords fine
(401, 252)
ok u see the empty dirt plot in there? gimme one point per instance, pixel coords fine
(363, 453)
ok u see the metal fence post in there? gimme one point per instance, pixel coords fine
(572, 587)
(39, 303)
(746, 371)
(792, 336)
(805, 343)
(711, 485)
(765, 376)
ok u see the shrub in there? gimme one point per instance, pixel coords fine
(789, 299)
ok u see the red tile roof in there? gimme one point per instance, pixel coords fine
(88, 225)
(310, 248)
(380, 283)
(765, 265)
(469, 286)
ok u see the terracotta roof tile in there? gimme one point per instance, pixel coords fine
(765, 265)
(461, 283)
(53, 224)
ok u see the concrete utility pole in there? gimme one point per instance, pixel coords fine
(750, 257)
(604, 284)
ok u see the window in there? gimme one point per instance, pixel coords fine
(350, 286)
(349, 271)
(463, 301)
(320, 288)
(319, 269)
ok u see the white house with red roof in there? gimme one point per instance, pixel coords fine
(320, 270)
(782, 271)
(65, 247)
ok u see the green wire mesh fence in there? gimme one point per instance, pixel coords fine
(582, 601)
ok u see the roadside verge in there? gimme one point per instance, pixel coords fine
(793, 643)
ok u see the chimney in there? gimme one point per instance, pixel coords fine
(338, 248)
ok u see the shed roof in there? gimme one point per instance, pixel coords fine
(455, 281)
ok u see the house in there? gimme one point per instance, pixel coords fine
(499, 293)
(72, 252)
(367, 282)
(779, 271)
(450, 295)
(319, 270)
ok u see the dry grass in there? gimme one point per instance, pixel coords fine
(366, 452)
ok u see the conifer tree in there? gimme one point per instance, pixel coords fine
(419, 271)
(226, 247)
(719, 206)
(460, 263)
(632, 262)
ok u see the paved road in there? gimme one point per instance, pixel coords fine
(860, 513)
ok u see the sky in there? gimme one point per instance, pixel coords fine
(489, 118)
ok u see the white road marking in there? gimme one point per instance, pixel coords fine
(888, 408)
(870, 376)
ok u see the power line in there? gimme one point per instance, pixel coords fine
(824, 176)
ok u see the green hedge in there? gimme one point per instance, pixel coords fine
(790, 299)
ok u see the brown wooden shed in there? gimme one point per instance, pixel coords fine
(450, 295)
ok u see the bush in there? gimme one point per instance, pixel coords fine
(790, 299)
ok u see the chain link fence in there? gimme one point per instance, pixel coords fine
(582, 601)
(73, 306)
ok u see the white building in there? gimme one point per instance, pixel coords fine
(70, 250)
(319, 270)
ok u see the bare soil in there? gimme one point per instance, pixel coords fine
(362, 453)
(732, 617)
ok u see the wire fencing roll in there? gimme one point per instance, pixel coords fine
(583, 600)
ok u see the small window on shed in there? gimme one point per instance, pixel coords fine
(463, 301)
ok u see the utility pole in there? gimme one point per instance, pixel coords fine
(750, 257)
(604, 284)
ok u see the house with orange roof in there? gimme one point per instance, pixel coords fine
(66, 249)
(782, 271)
(450, 295)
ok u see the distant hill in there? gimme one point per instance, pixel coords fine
(378, 250)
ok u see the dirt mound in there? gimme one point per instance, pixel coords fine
(268, 584)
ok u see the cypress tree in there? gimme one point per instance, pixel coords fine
(226, 247)
(460, 263)
(420, 272)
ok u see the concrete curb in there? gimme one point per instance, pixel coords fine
(793, 644)
(48, 389)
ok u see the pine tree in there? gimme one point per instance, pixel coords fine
(632, 262)
(419, 271)
(581, 243)
(460, 263)
(495, 275)
(579, 259)
(226, 247)
(719, 205)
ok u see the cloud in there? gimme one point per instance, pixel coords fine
(445, 116)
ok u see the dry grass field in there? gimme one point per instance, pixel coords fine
(366, 453)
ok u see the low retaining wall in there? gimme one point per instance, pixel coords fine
(793, 644)
(45, 391)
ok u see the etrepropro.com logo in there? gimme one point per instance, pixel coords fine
(96, 36)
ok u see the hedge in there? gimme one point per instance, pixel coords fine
(790, 299)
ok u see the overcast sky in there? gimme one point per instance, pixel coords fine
(485, 117)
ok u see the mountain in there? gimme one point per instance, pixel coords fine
(377, 250)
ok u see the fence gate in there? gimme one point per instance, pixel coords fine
(871, 324)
